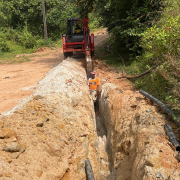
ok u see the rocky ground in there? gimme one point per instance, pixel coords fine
(139, 147)
(51, 133)
(136, 144)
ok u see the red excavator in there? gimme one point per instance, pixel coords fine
(78, 39)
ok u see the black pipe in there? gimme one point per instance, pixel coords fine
(172, 137)
(164, 107)
(89, 171)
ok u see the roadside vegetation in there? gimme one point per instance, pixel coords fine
(21, 25)
(161, 44)
(145, 33)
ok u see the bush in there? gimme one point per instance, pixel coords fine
(162, 44)
(43, 43)
(27, 39)
(10, 33)
(3, 44)
(94, 20)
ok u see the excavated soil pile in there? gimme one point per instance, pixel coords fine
(51, 134)
(137, 144)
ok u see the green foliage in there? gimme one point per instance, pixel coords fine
(83, 7)
(94, 20)
(22, 23)
(161, 43)
(57, 18)
(126, 20)
(15, 49)
(20, 13)
(154, 84)
(27, 39)
(3, 44)
(43, 43)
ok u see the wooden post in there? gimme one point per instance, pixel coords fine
(44, 21)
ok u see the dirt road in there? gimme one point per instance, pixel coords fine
(18, 81)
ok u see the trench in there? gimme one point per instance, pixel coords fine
(104, 151)
(106, 168)
(131, 141)
(128, 143)
(105, 162)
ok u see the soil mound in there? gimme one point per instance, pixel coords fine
(51, 133)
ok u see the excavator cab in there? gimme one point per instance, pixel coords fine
(75, 32)
(78, 39)
(74, 26)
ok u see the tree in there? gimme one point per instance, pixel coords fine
(127, 19)
(19, 13)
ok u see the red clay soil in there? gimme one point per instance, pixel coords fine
(18, 81)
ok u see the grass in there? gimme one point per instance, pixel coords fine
(15, 49)
(92, 30)
(109, 58)
(58, 43)
(113, 59)
(20, 60)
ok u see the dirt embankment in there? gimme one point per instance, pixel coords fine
(51, 133)
(138, 146)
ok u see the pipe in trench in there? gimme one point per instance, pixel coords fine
(172, 137)
(167, 127)
(89, 171)
(164, 107)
